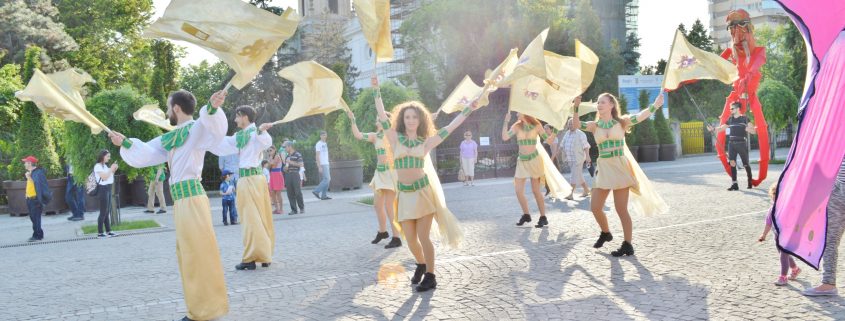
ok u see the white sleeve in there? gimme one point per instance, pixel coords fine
(209, 129)
(317, 147)
(226, 147)
(264, 140)
(142, 154)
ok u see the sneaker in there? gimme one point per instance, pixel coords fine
(226, 223)
(292, 213)
(235, 223)
(149, 211)
(75, 218)
(32, 239)
(781, 280)
(734, 187)
(814, 292)
(110, 234)
(325, 198)
(101, 236)
(161, 212)
(795, 272)
(316, 195)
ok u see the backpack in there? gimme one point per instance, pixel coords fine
(91, 184)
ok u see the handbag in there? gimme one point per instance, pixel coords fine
(461, 176)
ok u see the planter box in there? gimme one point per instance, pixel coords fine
(139, 193)
(649, 153)
(16, 194)
(668, 152)
(634, 151)
(346, 175)
(121, 185)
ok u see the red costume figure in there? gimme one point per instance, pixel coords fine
(748, 58)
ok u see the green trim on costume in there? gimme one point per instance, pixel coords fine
(382, 167)
(511, 133)
(527, 127)
(408, 162)
(651, 108)
(176, 138)
(544, 136)
(466, 111)
(242, 137)
(583, 125)
(126, 143)
(212, 110)
(186, 189)
(527, 142)
(381, 151)
(385, 124)
(443, 133)
(410, 143)
(612, 153)
(528, 157)
(415, 186)
(606, 125)
(246, 172)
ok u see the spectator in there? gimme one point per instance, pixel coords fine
(105, 179)
(156, 188)
(322, 159)
(38, 195)
(227, 189)
(293, 162)
(469, 156)
(74, 196)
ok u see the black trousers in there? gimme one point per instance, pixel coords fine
(294, 191)
(104, 196)
(35, 209)
(739, 148)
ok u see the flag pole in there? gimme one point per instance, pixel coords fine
(668, 61)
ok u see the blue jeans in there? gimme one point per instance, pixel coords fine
(75, 198)
(229, 207)
(35, 209)
(324, 182)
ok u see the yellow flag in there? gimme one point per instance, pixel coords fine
(240, 34)
(687, 62)
(316, 90)
(461, 96)
(374, 16)
(151, 114)
(58, 95)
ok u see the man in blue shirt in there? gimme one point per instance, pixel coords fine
(227, 189)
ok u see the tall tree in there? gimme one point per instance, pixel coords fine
(780, 107)
(698, 36)
(31, 22)
(631, 54)
(164, 73)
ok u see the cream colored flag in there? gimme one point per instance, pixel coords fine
(686, 62)
(316, 90)
(461, 96)
(58, 95)
(151, 114)
(374, 16)
(242, 35)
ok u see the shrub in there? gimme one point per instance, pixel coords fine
(661, 125)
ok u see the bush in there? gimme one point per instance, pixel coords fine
(114, 108)
(10, 107)
(34, 136)
(365, 114)
(661, 126)
(646, 135)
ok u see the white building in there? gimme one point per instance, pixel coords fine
(762, 12)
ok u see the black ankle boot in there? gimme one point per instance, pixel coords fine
(380, 236)
(625, 249)
(734, 187)
(245, 266)
(418, 273)
(525, 218)
(428, 283)
(603, 237)
(750, 186)
(394, 242)
(542, 222)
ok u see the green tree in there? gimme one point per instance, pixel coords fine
(646, 134)
(631, 54)
(10, 107)
(165, 72)
(114, 108)
(780, 107)
(697, 36)
(34, 136)
(337, 150)
(786, 56)
(31, 22)
(661, 126)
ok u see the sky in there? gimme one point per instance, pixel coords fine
(657, 22)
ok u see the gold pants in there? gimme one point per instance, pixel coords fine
(199, 259)
(256, 215)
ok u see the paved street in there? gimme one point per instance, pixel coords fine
(699, 261)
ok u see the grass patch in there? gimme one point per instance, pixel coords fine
(124, 226)
(366, 200)
(771, 161)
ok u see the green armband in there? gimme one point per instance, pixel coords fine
(544, 136)
(126, 143)
(443, 133)
(466, 111)
(583, 126)
(651, 108)
(212, 110)
(385, 124)
(634, 120)
(511, 133)
(554, 130)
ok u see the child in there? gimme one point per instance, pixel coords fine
(302, 176)
(264, 164)
(786, 260)
(227, 189)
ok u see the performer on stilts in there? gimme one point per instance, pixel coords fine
(618, 171)
(411, 136)
(184, 149)
(253, 198)
(383, 183)
(530, 164)
(738, 127)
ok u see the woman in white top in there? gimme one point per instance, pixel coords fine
(105, 179)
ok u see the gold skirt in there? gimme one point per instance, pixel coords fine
(383, 180)
(416, 204)
(199, 259)
(255, 212)
(529, 169)
(614, 173)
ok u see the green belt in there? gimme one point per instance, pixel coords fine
(418, 185)
(246, 172)
(381, 151)
(526, 142)
(610, 143)
(612, 153)
(382, 167)
(528, 157)
(185, 189)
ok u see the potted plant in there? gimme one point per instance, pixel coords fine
(668, 148)
(649, 150)
(630, 137)
(114, 108)
(34, 137)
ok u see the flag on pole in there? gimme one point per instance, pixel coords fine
(686, 62)
(461, 96)
(58, 95)
(153, 115)
(316, 90)
(374, 16)
(244, 36)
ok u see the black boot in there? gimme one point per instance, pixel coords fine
(525, 218)
(603, 237)
(734, 187)
(542, 222)
(625, 249)
(380, 236)
(428, 283)
(418, 273)
(245, 266)
(749, 185)
(394, 242)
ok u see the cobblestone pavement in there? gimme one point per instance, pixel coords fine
(699, 261)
